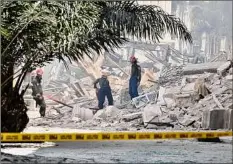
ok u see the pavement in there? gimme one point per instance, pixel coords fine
(163, 151)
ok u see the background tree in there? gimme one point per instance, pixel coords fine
(41, 31)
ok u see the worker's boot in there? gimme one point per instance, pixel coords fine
(42, 111)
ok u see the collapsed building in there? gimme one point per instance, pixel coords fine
(168, 94)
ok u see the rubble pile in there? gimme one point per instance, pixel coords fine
(170, 102)
(171, 75)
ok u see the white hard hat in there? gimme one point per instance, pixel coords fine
(105, 72)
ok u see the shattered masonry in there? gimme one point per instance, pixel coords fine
(168, 95)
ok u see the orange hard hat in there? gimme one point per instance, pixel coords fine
(39, 71)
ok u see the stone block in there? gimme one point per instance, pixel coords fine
(170, 102)
(213, 119)
(112, 111)
(142, 100)
(188, 87)
(83, 113)
(151, 111)
(228, 119)
(184, 100)
(223, 68)
(132, 116)
(100, 114)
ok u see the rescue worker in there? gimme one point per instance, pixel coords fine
(37, 92)
(135, 78)
(104, 90)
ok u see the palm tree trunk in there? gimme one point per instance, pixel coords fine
(13, 109)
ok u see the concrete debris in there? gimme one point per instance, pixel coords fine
(100, 114)
(171, 101)
(228, 117)
(132, 116)
(171, 75)
(112, 111)
(213, 119)
(223, 68)
(151, 113)
(212, 67)
(229, 77)
(184, 100)
(82, 113)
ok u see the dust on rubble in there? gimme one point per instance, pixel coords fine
(169, 99)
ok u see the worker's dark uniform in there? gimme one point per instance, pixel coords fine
(104, 90)
(134, 80)
(37, 94)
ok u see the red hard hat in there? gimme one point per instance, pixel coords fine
(39, 71)
(132, 58)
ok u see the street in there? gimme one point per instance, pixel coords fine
(175, 151)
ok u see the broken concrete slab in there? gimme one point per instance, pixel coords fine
(151, 113)
(170, 92)
(100, 114)
(223, 68)
(184, 100)
(132, 116)
(83, 113)
(111, 111)
(228, 119)
(192, 69)
(213, 119)
(188, 87)
(170, 102)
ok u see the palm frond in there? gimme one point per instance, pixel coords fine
(150, 22)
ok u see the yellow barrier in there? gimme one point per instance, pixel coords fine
(106, 136)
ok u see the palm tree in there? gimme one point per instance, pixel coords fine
(41, 31)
